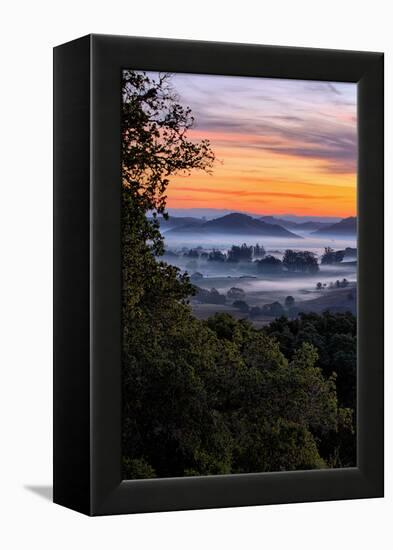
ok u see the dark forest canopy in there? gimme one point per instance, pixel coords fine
(215, 396)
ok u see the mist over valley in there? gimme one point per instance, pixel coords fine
(255, 268)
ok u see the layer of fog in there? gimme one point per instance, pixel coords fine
(313, 243)
(261, 288)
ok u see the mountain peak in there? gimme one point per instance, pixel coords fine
(344, 227)
(235, 216)
(237, 223)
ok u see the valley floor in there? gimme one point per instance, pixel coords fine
(336, 300)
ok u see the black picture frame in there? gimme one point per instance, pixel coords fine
(87, 275)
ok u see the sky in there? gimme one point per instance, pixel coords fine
(282, 146)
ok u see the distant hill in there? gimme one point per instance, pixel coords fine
(347, 226)
(301, 219)
(278, 221)
(213, 213)
(235, 224)
(335, 301)
(310, 226)
(300, 226)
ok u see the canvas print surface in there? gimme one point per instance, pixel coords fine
(239, 262)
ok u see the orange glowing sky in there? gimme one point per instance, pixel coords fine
(283, 146)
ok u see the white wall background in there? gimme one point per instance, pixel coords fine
(29, 30)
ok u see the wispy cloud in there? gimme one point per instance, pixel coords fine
(330, 139)
(245, 193)
(270, 135)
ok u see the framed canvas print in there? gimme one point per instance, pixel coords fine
(218, 275)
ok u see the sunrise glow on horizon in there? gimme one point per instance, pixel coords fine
(282, 146)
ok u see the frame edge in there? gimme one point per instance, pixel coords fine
(71, 273)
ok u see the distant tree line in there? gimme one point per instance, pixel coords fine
(332, 256)
(237, 298)
(243, 253)
(344, 283)
(269, 264)
(275, 309)
(302, 261)
(294, 261)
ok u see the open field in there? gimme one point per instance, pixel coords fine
(317, 301)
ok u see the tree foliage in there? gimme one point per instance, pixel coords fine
(269, 264)
(302, 261)
(332, 257)
(241, 253)
(289, 302)
(334, 337)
